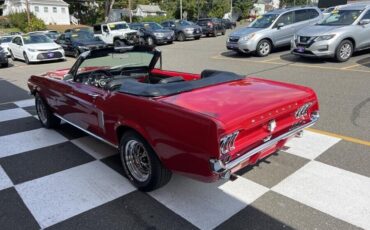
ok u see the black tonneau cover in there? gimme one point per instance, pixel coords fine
(132, 86)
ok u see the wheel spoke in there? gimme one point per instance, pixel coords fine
(137, 160)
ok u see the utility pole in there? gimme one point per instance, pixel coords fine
(181, 9)
(28, 13)
(130, 11)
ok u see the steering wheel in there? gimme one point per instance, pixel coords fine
(99, 78)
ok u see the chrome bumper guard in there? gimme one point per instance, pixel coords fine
(224, 170)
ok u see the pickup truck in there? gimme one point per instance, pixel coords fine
(116, 34)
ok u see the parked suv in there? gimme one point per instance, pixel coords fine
(153, 33)
(273, 29)
(117, 34)
(211, 26)
(183, 29)
(345, 30)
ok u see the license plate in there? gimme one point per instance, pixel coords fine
(50, 55)
(300, 49)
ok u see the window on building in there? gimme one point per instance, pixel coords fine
(55, 10)
(63, 10)
(37, 9)
(46, 9)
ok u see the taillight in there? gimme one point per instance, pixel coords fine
(227, 143)
(302, 111)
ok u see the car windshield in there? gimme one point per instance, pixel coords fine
(118, 26)
(5, 39)
(341, 18)
(152, 26)
(264, 21)
(36, 38)
(83, 36)
(52, 35)
(183, 23)
(116, 61)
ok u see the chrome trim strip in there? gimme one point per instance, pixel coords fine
(218, 167)
(88, 132)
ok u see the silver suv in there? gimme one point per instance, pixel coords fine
(345, 30)
(273, 29)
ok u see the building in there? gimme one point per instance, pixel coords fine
(148, 10)
(55, 12)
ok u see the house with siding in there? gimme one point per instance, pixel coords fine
(52, 12)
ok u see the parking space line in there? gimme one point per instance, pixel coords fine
(272, 59)
(353, 66)
(346, 138)
(218, 57)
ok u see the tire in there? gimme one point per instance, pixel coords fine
(118, 43)
(214, 33)
(46, 117)
(170, 42)
(26, 60)
(264, 48)
(181, 37)
(344, 51)
(76, 53)
(197, 38)
(152, 174)
(223, 32)
(150, 41)
(5, 64)
(12, 56)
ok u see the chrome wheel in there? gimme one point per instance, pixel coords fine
(137, 160)
(345, 51)
(41, 110)
(264, 48)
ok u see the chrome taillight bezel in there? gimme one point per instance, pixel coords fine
(227, 143)
(303, 110)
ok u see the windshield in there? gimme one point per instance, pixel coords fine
(264, 21)
(83, 36)
(5, 39)
(36, 38)
(116, 61)
(118, 26)
(183, 23)
(152, 26)
(341, 18)
(52, 35)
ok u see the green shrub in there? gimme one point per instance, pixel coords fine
(4, 22)
(157, 19)
(20, 21)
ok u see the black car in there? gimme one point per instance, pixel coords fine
(52, 34)
(75, 43)
(153, 33)
(228, 24)
(183, 29)
(3, 58)
(211, 26)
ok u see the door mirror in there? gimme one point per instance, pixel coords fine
(365, 21)
(67, 77)
(279, 25)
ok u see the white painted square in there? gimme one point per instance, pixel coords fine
(206, 205)
(5, 181)
(57, 197)
(311, 145)
(12, 114)
(25, 103)
(337, 192)
(94, 147)
(29, 140)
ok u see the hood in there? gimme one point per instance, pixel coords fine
(190, 26)
(318, 30)
(161, 31)
(123, 31)
(236, 101)
(89, 42)
(245, 31)
(43, 46)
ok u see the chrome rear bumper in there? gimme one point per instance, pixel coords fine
(224, 170)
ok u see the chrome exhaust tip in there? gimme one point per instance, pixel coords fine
(299, 134)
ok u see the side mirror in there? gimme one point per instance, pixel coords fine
(280, 25)
(67, 77)
(365, 21)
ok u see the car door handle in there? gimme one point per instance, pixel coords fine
(93, 95)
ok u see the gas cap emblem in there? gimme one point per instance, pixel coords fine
(271, 126)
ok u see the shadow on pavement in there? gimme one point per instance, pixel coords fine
(364, 62)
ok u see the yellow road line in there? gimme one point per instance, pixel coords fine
(346, 138)
(272, 59)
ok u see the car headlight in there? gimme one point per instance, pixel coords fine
(31, 50)
(83, 47)
(60, 48)
(158, 34)
(189, 30)
(324, 37)
(248, 37)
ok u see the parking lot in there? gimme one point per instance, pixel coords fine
(65, 180)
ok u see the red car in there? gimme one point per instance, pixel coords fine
(205, 126)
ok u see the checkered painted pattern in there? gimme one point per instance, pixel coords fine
(64, 179)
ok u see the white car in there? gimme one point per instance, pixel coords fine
(35, 48)
(4, 43)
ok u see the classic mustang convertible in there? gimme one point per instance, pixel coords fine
(206, 126)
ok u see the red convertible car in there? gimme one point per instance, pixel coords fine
(206, 126)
